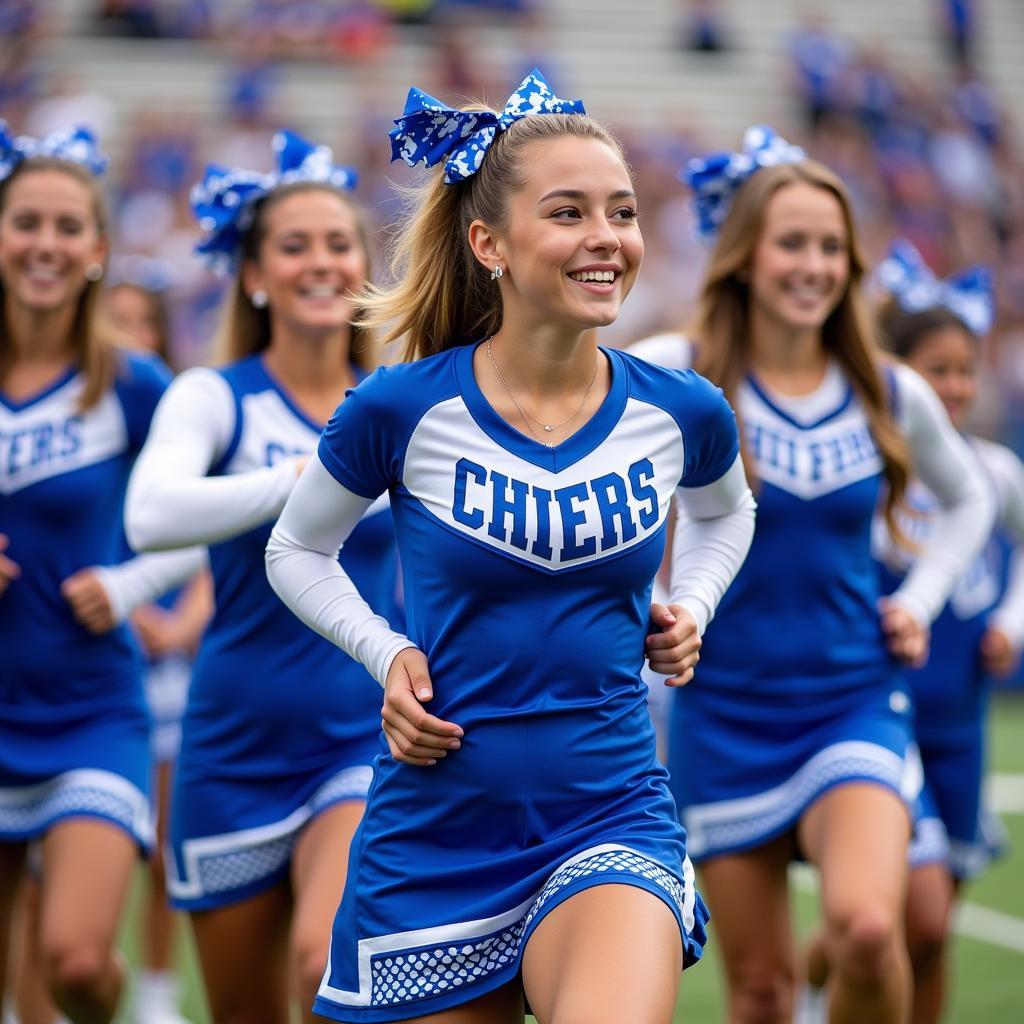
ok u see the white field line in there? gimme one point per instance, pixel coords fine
(1005, 793)
(975, 921)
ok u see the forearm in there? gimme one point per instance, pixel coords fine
(144, 578)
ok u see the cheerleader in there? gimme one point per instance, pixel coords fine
(935, 327)
(280, 727)
(74, 411)
(519, 835)
(794, 739)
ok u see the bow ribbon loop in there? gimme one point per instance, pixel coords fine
(716, 178)
(968, 295)
(429, 132)
(224, 201)
(75, 144)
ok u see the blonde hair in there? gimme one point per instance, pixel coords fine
(444, 296)
(721, 326)
(92, 343)
(245, 330)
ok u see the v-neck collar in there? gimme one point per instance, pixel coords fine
(789, 407)
(571, 450)
(39, 396)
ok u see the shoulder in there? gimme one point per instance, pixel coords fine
(402, 392)
(914, 402)
(674, 351)
(1001, 463)
(140, 375)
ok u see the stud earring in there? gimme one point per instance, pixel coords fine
(496, 273)
(259, 299)
(93, 272)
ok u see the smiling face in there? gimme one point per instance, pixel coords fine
(947, 358)
(311, 261)
(570, 247)
(135, 313)
(49, 235)
(801, 263)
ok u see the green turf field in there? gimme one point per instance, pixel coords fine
(989, 979)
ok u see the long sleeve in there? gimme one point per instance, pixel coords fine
(171, 502)
(947, 468)
(303, 569)
(144, 578)
(713, 531)
(1008, 472)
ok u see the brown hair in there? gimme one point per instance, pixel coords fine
(244, 329)
(444, 296)
(902, 332)
(93, 345)
(721, 326)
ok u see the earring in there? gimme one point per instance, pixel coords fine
(496, 273)
(259, 299)
(94, 271)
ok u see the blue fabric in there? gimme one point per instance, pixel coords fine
(429, 131)
(223, 201)
(715, 178)
(969, 295)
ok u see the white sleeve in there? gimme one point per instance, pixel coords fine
(949, 470)
(714, 528)
(1008, 472)
(303, 568)
(144, 578)
(171, 503)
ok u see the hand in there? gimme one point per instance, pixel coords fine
(675, 650)
(998, 655)
(89, 602)
(157, 630)
(414, 736)
(905, 637)
(9, 570)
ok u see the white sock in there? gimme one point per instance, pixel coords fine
(156, 997)
(811, 1005)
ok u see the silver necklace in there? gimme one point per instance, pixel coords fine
(527, 418)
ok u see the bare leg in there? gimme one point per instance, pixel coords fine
(32, 998)
(857, 835)
(243, 952)
(608, 954)
(87, 866)
(319, 865)
(930, 897)
(748, 894)
(12, 858)
(160, 918)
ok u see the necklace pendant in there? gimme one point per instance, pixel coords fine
(549, 444)
(547, 428)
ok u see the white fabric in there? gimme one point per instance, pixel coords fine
(171, 502)
(673, 351)
(947, 468)
(144, 578)
(713, 532)
(303, 568)
(1007, 473)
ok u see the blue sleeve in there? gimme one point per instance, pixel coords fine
(361, 445)
(139, 383)
(710, 437)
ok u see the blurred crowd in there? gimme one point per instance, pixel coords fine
(936, 160)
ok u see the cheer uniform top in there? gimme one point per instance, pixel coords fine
(280, 724)
(528, 575)
(796, 692)
(951, 691)
(74, 734)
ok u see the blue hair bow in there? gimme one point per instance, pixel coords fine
(75, 144)
(429, 132)
(969, 295)
(715, 179)
(224, 200)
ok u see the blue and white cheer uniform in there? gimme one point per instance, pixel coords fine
(528, 575)
(951, 691)
(280, 724)
(796, 691)
(74, 733)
